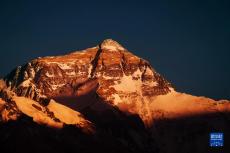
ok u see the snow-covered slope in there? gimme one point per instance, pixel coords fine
(53, 115)
(175, 105)
(67, 115)
(37, 112)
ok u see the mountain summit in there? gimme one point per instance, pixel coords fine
(111, 93)
(111, 45)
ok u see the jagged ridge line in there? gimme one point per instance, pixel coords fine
(94, 62)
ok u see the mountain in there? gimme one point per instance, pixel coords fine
(107, 95)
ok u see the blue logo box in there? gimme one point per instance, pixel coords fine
(216, 139)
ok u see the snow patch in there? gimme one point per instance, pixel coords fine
(49, 75)
(90, 70)
(32, 72)
(80, 61)
(111, 45)
(39, 113)
(112, 48)
(137, 73)
(71, 73)
(117, 99)
(172, 89)
(149, 71)
(30, 108)
(127, 84)
(80, 73)
(26, 76)
(63, 66)
(65, 114)
(109, 77)
(26, 83)
(56, 86)
(153, 83)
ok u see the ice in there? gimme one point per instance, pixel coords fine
(71, 73)
(63, 66)
(49, 75)
(117, 99)
(26, 83)
(56, 86)
(111, 45)
(128, 84)
(90, 70)
(148, 71)
(137, 73)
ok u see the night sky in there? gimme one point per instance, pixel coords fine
(188, 42)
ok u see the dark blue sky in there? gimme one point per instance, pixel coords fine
(188, 42)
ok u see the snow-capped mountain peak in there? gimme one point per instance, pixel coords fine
(113, 72)
(111, 45)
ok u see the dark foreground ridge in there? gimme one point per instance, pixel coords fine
(189, 135)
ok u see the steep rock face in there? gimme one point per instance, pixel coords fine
(115, 74)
